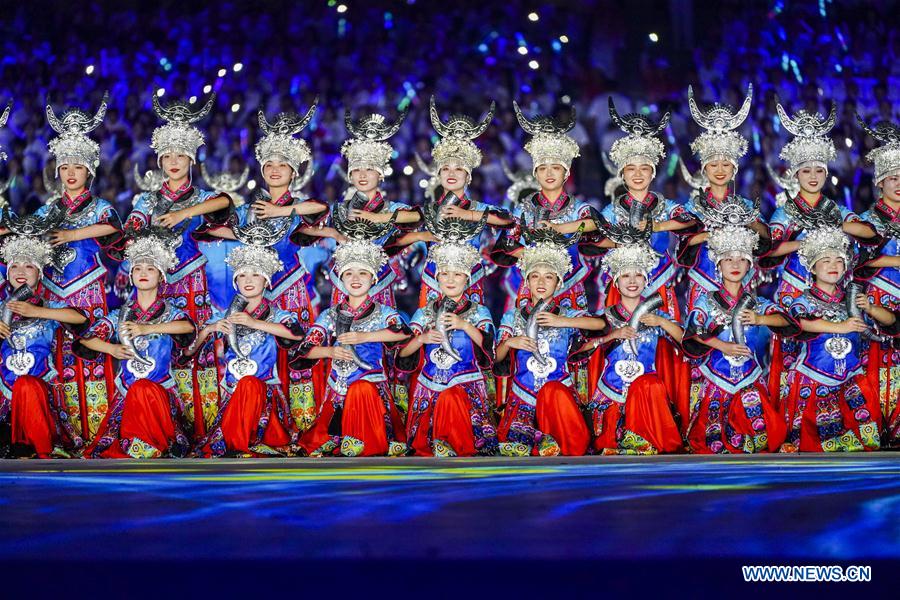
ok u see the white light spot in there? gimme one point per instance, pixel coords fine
(160, 93)
(408, 170)
(342, 8)
(89, 69)
(192, 99)
(849, 142)
(423, 183)
(533, 17)
(235, 107)
(533, 64)
(523, 50)
(654, 38)
(834, 180)
(564, 39)
(237, 67)
(251, 184)
(222, 72)
(207, 88)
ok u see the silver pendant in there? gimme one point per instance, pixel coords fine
(629, 370)
(541, 372)
(838, 347)
(140, 368)
(441, 359)
(242, 367)
(20, 363)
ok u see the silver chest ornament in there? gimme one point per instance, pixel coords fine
(244, 366)
(21, 361)
(141, 368)
(839, 347)
(539, 371)
(629, 369)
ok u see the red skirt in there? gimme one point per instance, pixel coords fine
(644, 424)
(457, 417)
(254, 419)
(743, 423)
(31, 419)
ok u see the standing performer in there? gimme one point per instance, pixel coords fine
(883, 273)
(357, 416)
(254, 419)
(639, 215)
(144, 420)
(453, 343)
(717, 203)
(537, 343)
(274, 217)
(731, 410)
(89, 226)
(635, 409)
(552, 152)
(830, 404)
(808, 155)
(32, 394)
(523, 186)
(455, 157)
(368, 155)
(183, 208)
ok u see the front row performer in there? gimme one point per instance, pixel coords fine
(538, 340)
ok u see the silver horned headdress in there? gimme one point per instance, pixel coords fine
(3, 118)
(152, 248)
(732, 240)
(367, 148)
(522, 183)
(279, 142)
(457, 133)
(178, 135)
(640, 145)
(73, 146)
(359, 254)
(887, 156)
(225, 182)
(633, 258)
(720, 140)
(550, 143)
(811, 145)
(26, 249)
(823, 242)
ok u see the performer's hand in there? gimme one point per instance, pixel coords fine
(134, 329)
(338, 353)
(547, 225)
(732, 349)
(222, 326)
(266, 210)
(426, 236)
(4, 230)
(374, 217)
(23, 309)
(432, 336)
(121, 352)
(172, 219)
(748, 317)
(853, 325)
(61, 236)
(862, 302)
(548, 319)
(353, 337)
(242, 318)
(522, 342)
(453, 322)
(457, 212)
(623, 333)
(4, 331)
(340, 238)
(652, 320)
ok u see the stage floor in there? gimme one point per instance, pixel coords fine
(765, 508)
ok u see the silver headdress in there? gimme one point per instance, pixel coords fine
(454, 256)
(548, 255)
(549, 144)
(358, 229)
(696, 182)
(887, 156)
(615, 181)
(26, 249)
(178, 135)
(359, 254)
(279, 141)
(151, 181)
(455, 145)
(720, 140)
(254, 259)
(810, 144)
(820, 243)
(73, 146)
(433, 182)
(225, 183)
(522, 183)
(3, 118)
(152, 249)
(299, 182)
(636, 258)
(450, 229)
(367, 148)
(789, 185)
(732, 211)
(641, 145)
(732, 240)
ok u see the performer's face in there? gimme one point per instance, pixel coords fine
(551, 177)
(631, 284)
(734, 268)
(829, 269)
(890, 188)
(145, 277)
(453, 283)
(811, 179)
(542, 284)
(73, 177)
(637, 177)
(365, 180)
(719, 172)
(454, 179)
(277, 173)
(250, 285)
(357, 282)
(176, 165)
(20, 274)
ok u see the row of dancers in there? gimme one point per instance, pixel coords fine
(221, 348)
